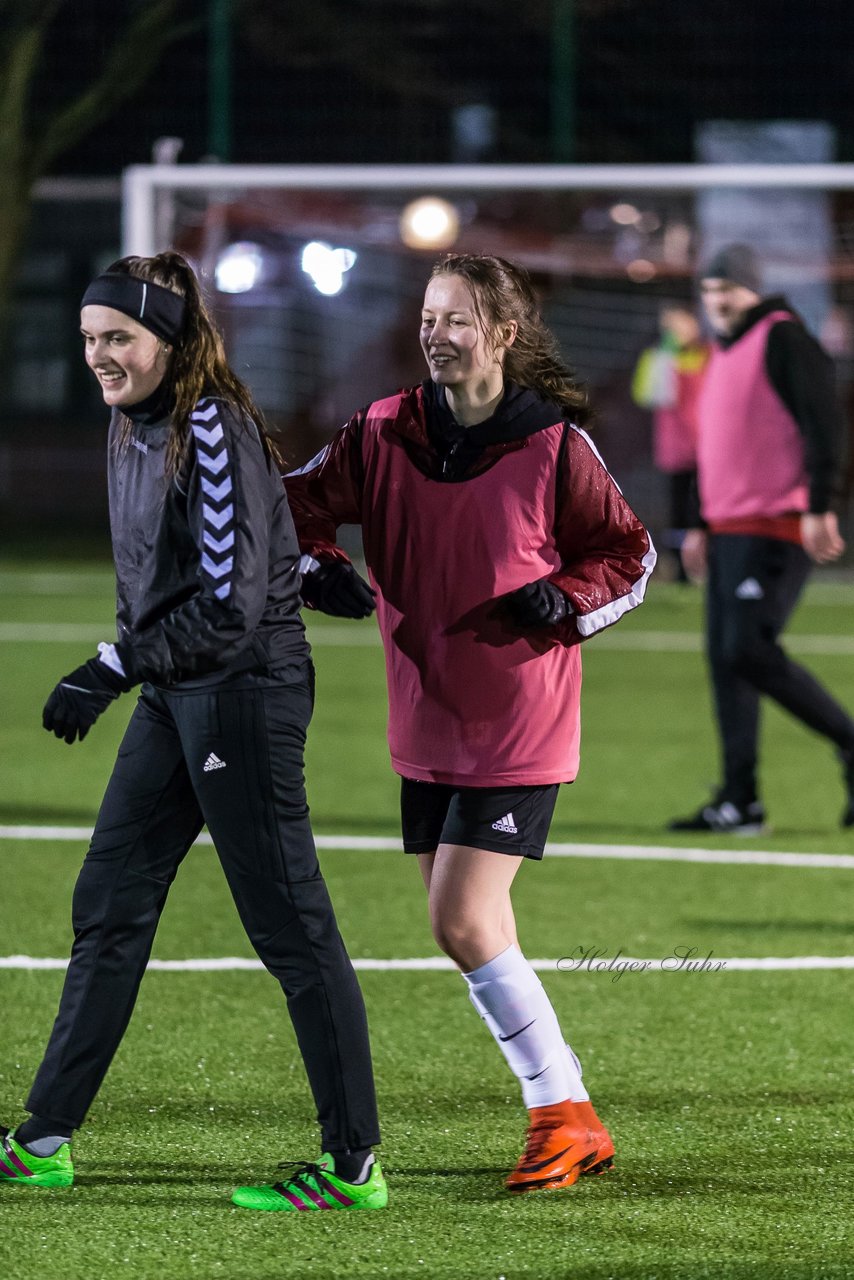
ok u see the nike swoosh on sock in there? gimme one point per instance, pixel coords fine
(514, 1034)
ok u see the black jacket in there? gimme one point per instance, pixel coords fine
(207, 565)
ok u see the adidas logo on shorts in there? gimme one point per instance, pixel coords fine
(213, 762)
(507, 824)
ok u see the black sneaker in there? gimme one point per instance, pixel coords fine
(726, 818)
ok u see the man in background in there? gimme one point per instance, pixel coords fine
(769, 433)
(667, 380)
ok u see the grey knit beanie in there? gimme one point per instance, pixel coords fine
(737, 263)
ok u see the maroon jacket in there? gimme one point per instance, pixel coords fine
(475, 700)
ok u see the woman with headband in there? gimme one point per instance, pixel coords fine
(208, 624)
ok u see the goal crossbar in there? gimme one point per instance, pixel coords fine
(142, 183)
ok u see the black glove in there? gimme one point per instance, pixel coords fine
(335, 587)
(80, 697)
(539, 604)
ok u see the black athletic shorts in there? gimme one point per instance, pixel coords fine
(512, 820)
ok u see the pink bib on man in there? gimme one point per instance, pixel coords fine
(750, 452)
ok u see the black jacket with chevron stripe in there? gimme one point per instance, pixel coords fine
(207, 564)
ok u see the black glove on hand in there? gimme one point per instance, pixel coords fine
(539, 604)
(335, 587)
(79, 699)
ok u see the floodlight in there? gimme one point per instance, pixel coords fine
(326, 266)
(429, 223)
(238, 268)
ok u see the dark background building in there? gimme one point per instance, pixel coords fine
(390, 82)
(595, 81)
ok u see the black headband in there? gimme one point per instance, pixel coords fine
(157, 309)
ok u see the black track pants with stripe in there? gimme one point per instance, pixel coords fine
(754, 585)
(254, 805)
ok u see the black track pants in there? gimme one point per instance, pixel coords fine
(754, 584)
(230, 756)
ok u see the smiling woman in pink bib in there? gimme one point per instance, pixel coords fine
(496, 542)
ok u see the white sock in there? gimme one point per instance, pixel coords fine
(513, 1003)
(575, 1065)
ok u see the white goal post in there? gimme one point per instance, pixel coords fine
(141, 184)
(610, 248)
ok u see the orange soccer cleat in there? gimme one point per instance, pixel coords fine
(564, 1141)
(585, 1115)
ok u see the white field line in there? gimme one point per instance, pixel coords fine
(56, 584)
(834, 594)
(614, 639)
(615, 967)
(366, 636)
(56, 632)
(626, 852)
(832, 589)
(633, 641)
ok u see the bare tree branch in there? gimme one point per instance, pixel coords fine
(18, 69)
(27, 13)
(25, 153)
(129, 64)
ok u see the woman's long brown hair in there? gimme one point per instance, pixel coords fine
(198, 366)
(502, 294)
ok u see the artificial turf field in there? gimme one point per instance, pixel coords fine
(729, 1093)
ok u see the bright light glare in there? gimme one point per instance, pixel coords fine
(326, 266)
(429, 223)
(624, 214)
(640, 270)
(238, 268)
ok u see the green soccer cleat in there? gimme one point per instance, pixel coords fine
(315, 1186)
(19, 1168)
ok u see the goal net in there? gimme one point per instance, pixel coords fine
(316, 273)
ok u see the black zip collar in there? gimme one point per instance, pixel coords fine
(762, 309)
(519, 413)
(444, 450)
(153, 410)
